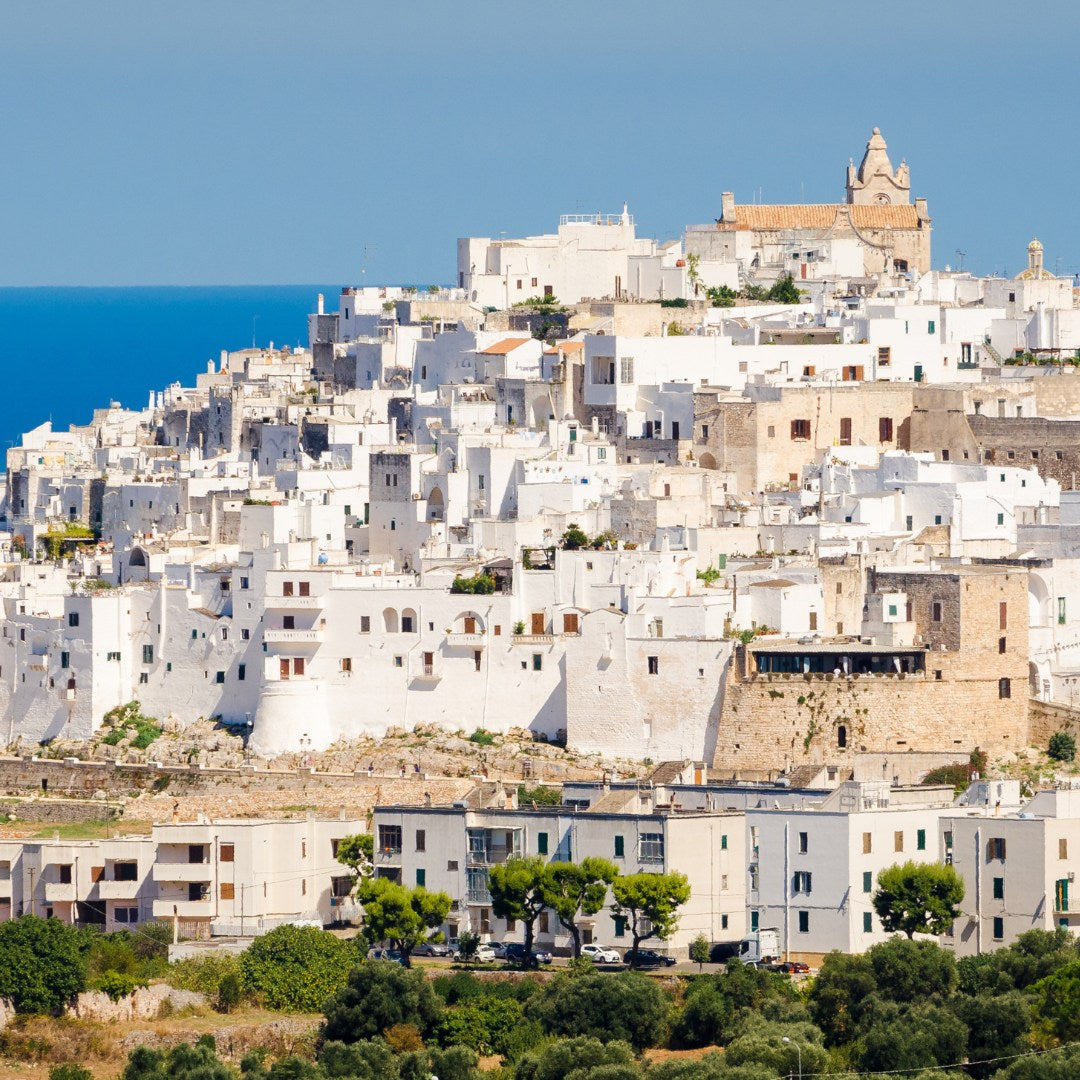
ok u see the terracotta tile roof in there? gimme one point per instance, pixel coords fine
(565, 347)
(821, 216)
(507, 345)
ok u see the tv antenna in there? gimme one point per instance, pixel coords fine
(960, 255)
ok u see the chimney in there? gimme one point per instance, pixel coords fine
(320, 303)
(727, 206)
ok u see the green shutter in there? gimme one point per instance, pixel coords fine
(867, 880)
(541, 843)
(723, 841)
(999, 888)
(920, 841)
(868, 922)
(421, 876)
(619, 847)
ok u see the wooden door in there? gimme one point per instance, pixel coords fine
(538, 622)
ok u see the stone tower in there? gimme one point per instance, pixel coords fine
(875, 183)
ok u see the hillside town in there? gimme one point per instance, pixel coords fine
(773, 519)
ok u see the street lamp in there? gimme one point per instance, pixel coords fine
(798, 1050)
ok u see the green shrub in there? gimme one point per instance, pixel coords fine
(42, 963)
(296, 968)
(377, 996)
(542, 795)
(482, 737)
(478, 585)
(1062, 746)
(203, 974)
(116, 984)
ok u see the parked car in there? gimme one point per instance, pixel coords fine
(484, 953)
(650, 958)
(499, 949)
(599, 955)
(390, 955)
(431, 948)
(789, 967)
(515, 954)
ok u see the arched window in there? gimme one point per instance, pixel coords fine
(390, 621)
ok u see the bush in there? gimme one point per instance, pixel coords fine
(116, 984)
(482, 738)
(1062, 746)
(377, 996)
(230, 993)
(478, 585)
(203, 974)
(486, 1025)
(627, 1007)
(42, 965)
(542, 795)
(296, 968)
(579, 1057)
(574, 539)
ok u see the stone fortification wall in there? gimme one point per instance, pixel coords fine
(797, 719)
(1047, 719)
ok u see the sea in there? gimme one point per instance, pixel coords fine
(69, 350)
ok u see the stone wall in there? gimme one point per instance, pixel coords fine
(1047, 719)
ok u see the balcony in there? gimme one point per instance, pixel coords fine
(184, 909)
(293, 603)
(428, 673)
(60, 892)
(187, 872)
(293, 637)
(466, 641)
(533, 639)
(492, 856)
(117, 890)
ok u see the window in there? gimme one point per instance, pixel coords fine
(220, 677)
(845, 430)
(867, 843)
(995, 848)
(286, 588)
(867, 922)
(898, 840)
(1004, 688)
(73, 618)
(406, 624)
(723, 922)
(1001, 519)
(198, 891)
(868, 881)
(626, 369)
(148, 654)
(65, 659)
(654, 665)
(999, 888)
(803, 843)
(930, 326)
(651, 847)
(620, 925)
(841, 736)
(1003, 615)
(620, 848)
(365, 624)
(920, 839)
(801, 881)
(804, 922)
(228, 890)
(884, 355)
(1063, 848)
(421, 840)
(885, 429)
(390, 839)
(421, 877)
(603, 370)
(723, 842)
(999, 928)
(800, 430)
(1061, 610)
(398, 661)
(245, 634)
(542, 843)
(245, 583)
(935, 611)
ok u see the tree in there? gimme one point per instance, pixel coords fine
(722, 296)
(519, 890)
(649, 903)
(700, 951)
(906, 970)
(628, 1006)
(910, 1037)
(784, 291)
(574, 538)
(1057, 1002)
(42, 964)
(182, 1062)
(840, 995)
(1062, 746)
(468, 943)
(578, 887)
(357, 852)
(577, 1057)
(403, 917)
(296, 968)
(377, 996)
(918, 898)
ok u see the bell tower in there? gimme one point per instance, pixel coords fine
(875, 183)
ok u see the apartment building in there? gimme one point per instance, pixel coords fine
(452, 848)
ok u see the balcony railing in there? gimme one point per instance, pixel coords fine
(294, 637)
(293, 603)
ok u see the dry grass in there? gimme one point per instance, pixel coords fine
(30, 1046)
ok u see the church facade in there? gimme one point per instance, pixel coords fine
(876, 230)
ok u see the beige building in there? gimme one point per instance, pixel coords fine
(876, 230)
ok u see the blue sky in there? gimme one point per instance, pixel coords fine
(259, 142)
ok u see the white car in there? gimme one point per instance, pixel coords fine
(599, 955)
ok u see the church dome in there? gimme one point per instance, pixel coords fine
(1035, 245)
